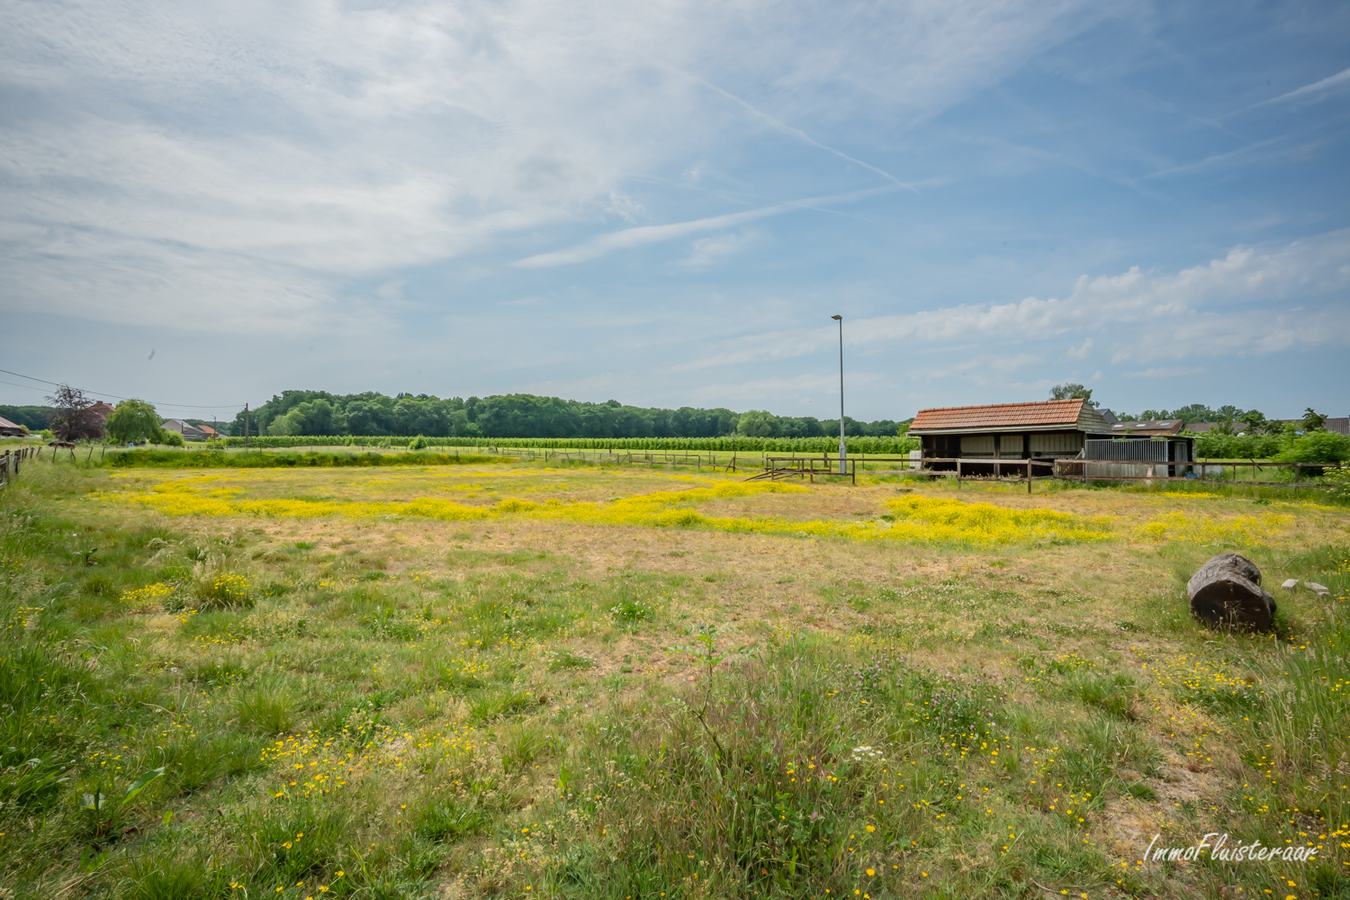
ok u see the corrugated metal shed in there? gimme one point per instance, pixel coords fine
(9, 429)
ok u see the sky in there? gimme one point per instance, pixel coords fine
(204, 204)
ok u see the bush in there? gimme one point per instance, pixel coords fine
(1317, 447)
(1214, 445)
(170, 438)
(418, 443)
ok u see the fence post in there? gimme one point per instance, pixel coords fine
(958, 474)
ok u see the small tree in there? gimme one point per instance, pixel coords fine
(1072, 391)
(1314, 420)
(72, 417)
(133, 420)
(757, 423)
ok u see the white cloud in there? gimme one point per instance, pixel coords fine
(1339, 81)
(1254, 300)
(1081, 351)
(655, 234)
(203, 164)
(708, 250)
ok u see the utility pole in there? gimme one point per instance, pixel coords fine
(246, 426)
(843, 448)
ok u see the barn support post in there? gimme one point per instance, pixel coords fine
(958, 474)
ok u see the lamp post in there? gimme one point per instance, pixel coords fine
(843, 450)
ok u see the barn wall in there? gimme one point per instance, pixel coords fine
(1064, 443)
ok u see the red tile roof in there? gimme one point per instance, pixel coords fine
(999, 415)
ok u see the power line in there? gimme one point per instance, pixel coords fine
(31, 387)
(102, 394)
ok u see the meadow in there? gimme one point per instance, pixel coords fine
(493, 677)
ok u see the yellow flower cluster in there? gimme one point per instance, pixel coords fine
(936, 518)
(229, 588)
(1189, 673)
(1250, 531)
(925, 519)
(150, 595)
(315, 764)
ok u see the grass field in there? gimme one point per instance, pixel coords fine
(500, 678)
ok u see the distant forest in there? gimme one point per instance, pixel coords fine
(523, 416)
(34, 418)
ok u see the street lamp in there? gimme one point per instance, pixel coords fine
(843, 450)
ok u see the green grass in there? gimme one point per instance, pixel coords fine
(422, 722)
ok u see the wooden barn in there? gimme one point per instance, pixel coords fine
(1051, 429)
(1048, 430)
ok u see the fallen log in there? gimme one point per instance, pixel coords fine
(1226, 592)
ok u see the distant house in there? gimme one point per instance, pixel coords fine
(207, 430)
(188, 431)
(102, 410)
(9, 429)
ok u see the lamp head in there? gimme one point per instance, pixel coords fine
(837, 317)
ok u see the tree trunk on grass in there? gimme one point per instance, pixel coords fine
(1227, 592)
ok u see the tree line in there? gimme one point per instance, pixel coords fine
(370, 414)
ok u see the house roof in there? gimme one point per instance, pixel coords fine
(1151, 427)
(1063, 414)
(7, 425)
(102, 409)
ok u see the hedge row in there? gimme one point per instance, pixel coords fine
(872, 445)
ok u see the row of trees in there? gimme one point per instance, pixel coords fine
(523, 416)
(1229, 420)
(72, 416)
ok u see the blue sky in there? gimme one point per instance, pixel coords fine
(204, 204)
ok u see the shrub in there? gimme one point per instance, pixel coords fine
(418, 443)
(1214, 445)
(1317, 447)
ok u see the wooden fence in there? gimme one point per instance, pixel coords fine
(1027, 471)
(10, 462)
